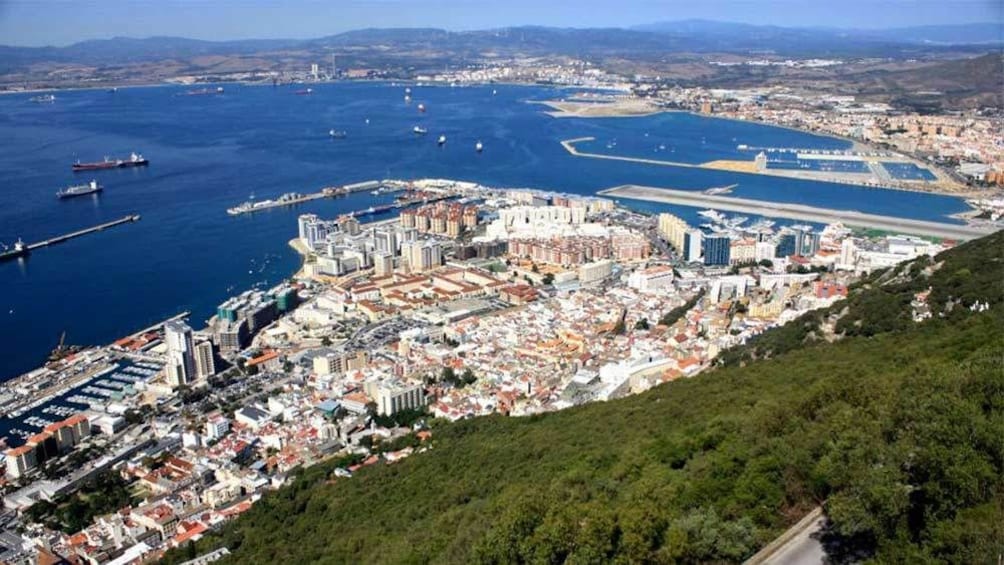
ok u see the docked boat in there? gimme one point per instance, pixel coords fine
(19, 249)
(479, 147)
(337, 134)
(419, 130)
(134, 160)
(441, 140)
(713, 215)
(80, 190)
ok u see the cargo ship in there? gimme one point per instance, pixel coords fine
(134, 160)
(80, 190)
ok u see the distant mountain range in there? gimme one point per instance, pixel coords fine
(955, 34)
(689, 35)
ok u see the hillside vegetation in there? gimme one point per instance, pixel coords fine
(896, 428)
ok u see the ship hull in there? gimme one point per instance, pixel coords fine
(79, 167)
(65, 195)
(10, 255)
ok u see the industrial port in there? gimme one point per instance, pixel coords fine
(374, 186)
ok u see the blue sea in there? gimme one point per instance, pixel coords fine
(210, 152)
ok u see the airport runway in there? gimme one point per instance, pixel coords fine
(798, 212)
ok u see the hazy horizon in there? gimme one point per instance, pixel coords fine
(60, 22)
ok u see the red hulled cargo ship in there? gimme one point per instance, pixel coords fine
(134, 160)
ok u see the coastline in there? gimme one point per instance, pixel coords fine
(387, 81)
(615, 110)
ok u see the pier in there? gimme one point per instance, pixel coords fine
(798, 212)
(83, 232)
(22, 251)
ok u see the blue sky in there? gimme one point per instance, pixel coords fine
(60, 22)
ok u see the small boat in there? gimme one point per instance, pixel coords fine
(421, 107)
(419, 130)
(407, 90)
(479, 147)
(337, 134)
(407, 98)
(43, 98)
(304, 92)
(441, 140)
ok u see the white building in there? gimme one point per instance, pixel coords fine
(393, 398)
(651, 279)
(592, 272)
(180, 353)
(205, 365)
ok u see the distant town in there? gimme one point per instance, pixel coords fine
(475, 300)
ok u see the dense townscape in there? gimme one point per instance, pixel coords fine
(488, 301)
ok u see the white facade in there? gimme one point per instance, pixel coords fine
(180, 353)
(651, 279)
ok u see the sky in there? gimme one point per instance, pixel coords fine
(62, 22)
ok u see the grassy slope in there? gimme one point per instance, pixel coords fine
(900, 432)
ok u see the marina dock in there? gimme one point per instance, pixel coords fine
(798, 212)
(26, 249)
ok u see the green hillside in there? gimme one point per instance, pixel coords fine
(897, 427)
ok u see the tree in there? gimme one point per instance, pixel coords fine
(641, 324)
(448, 375)
(326, 341)
(548, 279)
(468, 377)
(766, 263)
(534, 268)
